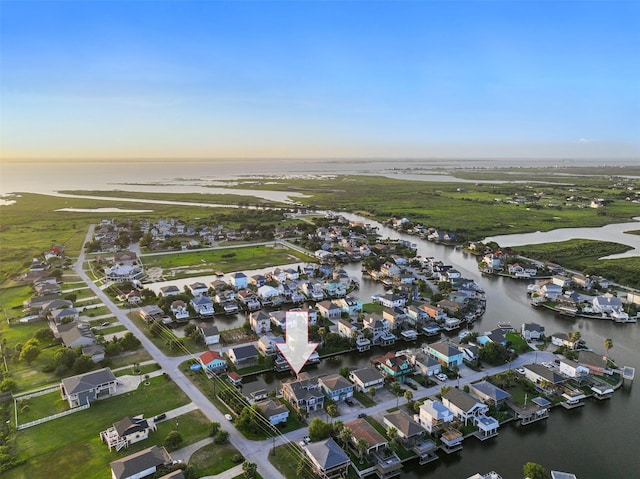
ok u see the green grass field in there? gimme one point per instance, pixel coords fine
(71, 447)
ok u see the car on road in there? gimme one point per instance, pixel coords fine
(520, 370)
(228, 417)
(362, 415)
(160, 417)
(548, 365)
(441, 376)
(307, 439)
(349, 402)
(302, 444)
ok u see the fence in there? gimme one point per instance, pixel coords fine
(20, 427)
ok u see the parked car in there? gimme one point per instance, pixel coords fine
(361, 415)
(160, 417)
(441, 376)
(228, 417)
(106, 323)
(548, 365)
(520, 370)
(349, 402)
(307, 439)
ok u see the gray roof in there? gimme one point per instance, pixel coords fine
(209, 329)
(335, 382)
(139, 461)
(366, 375)
(445, 349)
(272, 408)
(245, 352)
(406, 426)
(87, 381)
(327, 454)
(545, 373)
(490, 390)
(460, 399)
(130, 425)
(533, 327)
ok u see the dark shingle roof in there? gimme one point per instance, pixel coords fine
(491, 391)
(460, 399)
(87, 381)
(327, 454)
(139, 461)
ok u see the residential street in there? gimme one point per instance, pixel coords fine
(257, 451)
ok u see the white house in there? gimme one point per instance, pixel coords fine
(434, 415)
(572, 369)
(365, 378)
(274, 411)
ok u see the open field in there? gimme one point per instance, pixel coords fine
(79, 453)
(180, 265)
(584, 256)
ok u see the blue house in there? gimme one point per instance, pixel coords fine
(336, 387)
(213, 361)
(239, 280)
(446, 354)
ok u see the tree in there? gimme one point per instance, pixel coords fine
(408, 395)
(396, 389)
(319, 430)
(173, 440)
(82, 364)
(346, 435)
(129, 341)
(332, 410)
(64, 357)
(249, 469)
(189, 328)
(532, 470)
(29, 353)
(372, 391)
(344, 371)
(608, 344)
(221, 437)
(362, 449)
(214, 427)
(43, 334)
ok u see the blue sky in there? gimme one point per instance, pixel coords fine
(319, 79)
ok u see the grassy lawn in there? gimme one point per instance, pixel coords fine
(364, 399)
(163, 341)
(111, 329)
(286, 460)
(142, 370)
(518, 343)
(213, 459)
(372, 308)
(40, 407)
(71, 447)
(139, 356)
(12, 296)
(232, 259)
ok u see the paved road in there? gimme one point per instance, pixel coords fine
(252, 451)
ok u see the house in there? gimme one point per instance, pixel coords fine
(543, 377)
(303, 393)
(348, 329)
(350, 305)
(274, 411)
(532, 331)
(470, 352)
(328, 459)
(496, 335)
(595, 362)
(123, 273)
(213, 361)
(392, 300)
(424, 364)
(467, 408)
(239, 280)
(329, 310)
(434, 416)
(203, 306)
(313, 290)
(179, 309)
(561, 280)
(395, 318)
(198, 288)
(387, 464)
(394, 366)
(268, 294)
(243, 356)
(268, 345)
(564, 340)
(379, 329)
(74, 335)
(210, 333)
(64, 315)
(573, 369)
(95, 351)
(607, 304)
(409, 431)
(336, 387)
(260, 322)
(258, 280)
(84, 388)
(140, 464)
(127, 431)
(366, 378)
(445, 354)
(488, 393)
(433, 311)
(151, 313)
(249, 299)
(550, 291)
(170, 290)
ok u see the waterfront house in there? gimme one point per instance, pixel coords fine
(563, 340)
(249, 299)
(387, 463)
(393, 366)
(595, 362)
(210, 333)
(445, 354)
(366, 378)
(140, 464)
(268, 294)
(336, 387)
(198, 288)
(489, 393)
(561, 280)
(170, 290)
(313, 290)
(258, 280)
(434, 416)
(274, 411)
(348, 329)
(392, 300)
(267, 345)
(350, 305)
(151, 313)
(409, 431)
(573, 369)
(395, 318)
(88, 387)
(260, 322)
(550, 291)
(379, 329)
(239, 280)
(334, 288)
(303, 393)
(607, 304)
(213, 361)
(328, 459)
(243, 356)
(532, 331)
(203, 306)
(433, 311)
(329, 310)
(415, 315)
(424, 364)
(179, 309)
(544, 377)
(496, 335)
(468, 408)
